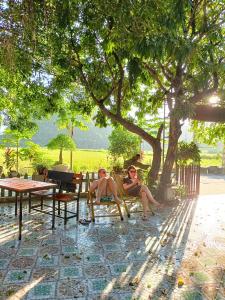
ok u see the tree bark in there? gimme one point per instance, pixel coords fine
(17, 156)
(156, 162)
(71, 151)
(174, 134)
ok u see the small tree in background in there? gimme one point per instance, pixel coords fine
(70, 117)
(35, 154)
(10, 158)
(61, 142)
(187, 153)
(12, 138)
(123, 143)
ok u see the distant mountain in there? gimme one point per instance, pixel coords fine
(93, 138)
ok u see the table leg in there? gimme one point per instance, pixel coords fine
(53, 208)
(29, 203)
(20, 215)
(16, 201)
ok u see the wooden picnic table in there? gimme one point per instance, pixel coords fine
(21, 186)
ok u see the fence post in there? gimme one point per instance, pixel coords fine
(2, 190)
(87, 182)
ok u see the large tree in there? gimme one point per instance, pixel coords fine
(129, 56)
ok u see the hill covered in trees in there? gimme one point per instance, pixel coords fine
(93, 138)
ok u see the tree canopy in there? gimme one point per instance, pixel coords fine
(61, 142)
(128, 57)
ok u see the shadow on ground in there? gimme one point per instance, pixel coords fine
(178, 254)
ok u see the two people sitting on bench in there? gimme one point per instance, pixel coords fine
(105, 188)
(134, 187)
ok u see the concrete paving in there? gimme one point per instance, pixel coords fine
(177, 254)
(212, 184)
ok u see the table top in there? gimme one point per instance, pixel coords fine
(24, 185)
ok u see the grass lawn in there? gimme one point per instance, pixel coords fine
(92, 160)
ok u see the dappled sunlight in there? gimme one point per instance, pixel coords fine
(24, 291)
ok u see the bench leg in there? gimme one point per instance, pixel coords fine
(120, 212)
(127, 209)
(65, 213)
(92, 212)
(152, 212)
(78, 207)
(58, 208)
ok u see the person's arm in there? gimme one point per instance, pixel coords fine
(93, 186)
(127, 186)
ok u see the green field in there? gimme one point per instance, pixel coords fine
(92, 160)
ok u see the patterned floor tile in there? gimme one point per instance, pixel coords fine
(17, 276)
(4, 263)
(51, 250)
(46, 274)
(111, 247)
(9, 291)
(50, 242)
(117, 269)
(96, 270)
(22, 262)
(98, 285)
(42, 291)
(69, 249)
(74, 288)
(47, 261)
(93, 258)
(71, 259)
(70, 272)
(27, 251)
(2, 275)
(113, 257)
(138, 255)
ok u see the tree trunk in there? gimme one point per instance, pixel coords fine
(60, 156)
(71, 151)
(156, 162)
(17, 157)
(174, 134)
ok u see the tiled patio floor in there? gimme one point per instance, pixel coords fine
(177, 254)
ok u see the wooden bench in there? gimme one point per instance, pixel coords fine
(125, 197)
(91, 203)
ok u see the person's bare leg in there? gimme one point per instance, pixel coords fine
(144, 201)
(101, 190)
(112, 189)
(149, 195)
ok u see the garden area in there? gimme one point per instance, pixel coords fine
(88, 160)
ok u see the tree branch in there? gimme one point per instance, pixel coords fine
(154, 74)
(166, 72)
(120, 84)
(128, 125)
(159, 133)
